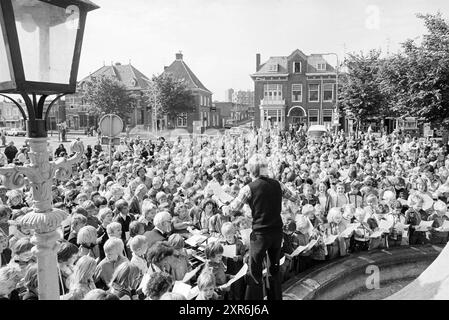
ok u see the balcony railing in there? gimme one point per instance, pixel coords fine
(271, 102)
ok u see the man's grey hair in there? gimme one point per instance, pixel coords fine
(160, 217)
(258, 165)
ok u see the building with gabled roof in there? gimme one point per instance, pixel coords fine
(181, 71)
(128, 75)
(77, 116)
(204, 114)
(297, 89)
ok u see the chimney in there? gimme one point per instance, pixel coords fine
(118, 64)
(165, 68)
(179, 56)
(257, 61)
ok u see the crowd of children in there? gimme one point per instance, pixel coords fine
(126, 233)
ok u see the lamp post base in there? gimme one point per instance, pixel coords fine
(46, 248)
(44, 219)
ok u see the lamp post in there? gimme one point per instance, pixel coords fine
(337, 110)
(40, 46)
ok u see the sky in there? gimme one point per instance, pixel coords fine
(220, 38)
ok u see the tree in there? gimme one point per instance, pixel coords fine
(360, 94)
(417, 79)
(107, 95)
(170, 96)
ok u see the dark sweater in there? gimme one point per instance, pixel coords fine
(125, 222)
(266, 205)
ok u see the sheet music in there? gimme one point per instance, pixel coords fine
(424, 226)
(245, 234)
(196, 239)
(230, 251)
(376, 234)
(219, 193)
(242, 272)
(349, 230)
(301, 249)
(330, 239)
(182, 288)
(189, 275)
(193, 231)
(193, 293)
(385, 224)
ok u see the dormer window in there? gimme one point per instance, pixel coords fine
(297, 67)
(321, 66)
(273, 68)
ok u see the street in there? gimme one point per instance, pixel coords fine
(54, 143)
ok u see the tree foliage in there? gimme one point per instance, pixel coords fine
(417, 79)
(360, 94)
(108, 95)
(170, 96)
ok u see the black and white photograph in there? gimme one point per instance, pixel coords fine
(240, 151)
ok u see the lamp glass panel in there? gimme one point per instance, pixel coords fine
(47, 36)
(5, 74)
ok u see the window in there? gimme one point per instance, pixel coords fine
(181, 121)
(297, 92)
(272, 92)
(201, 100)
(327, 116)
(408, 123)
(83, 120)
(313, 116)
(314, 92)
(321, 66)
(328, 92)
(208, 119)
(297, 67)
(273, 68)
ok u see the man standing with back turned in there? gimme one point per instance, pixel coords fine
(264, 196)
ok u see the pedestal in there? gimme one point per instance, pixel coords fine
(46, 249)
(44, 220)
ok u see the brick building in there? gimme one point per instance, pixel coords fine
(205, 113)
(77, 110)
(10, 116)
(294, 89)
(231, 112)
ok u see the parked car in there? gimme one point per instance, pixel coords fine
(235, 131)
(230, 123)
(316, 132)
(16, 132)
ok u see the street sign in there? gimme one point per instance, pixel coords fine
(111, 125)
(110, 141)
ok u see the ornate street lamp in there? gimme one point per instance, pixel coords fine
(40, 47)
